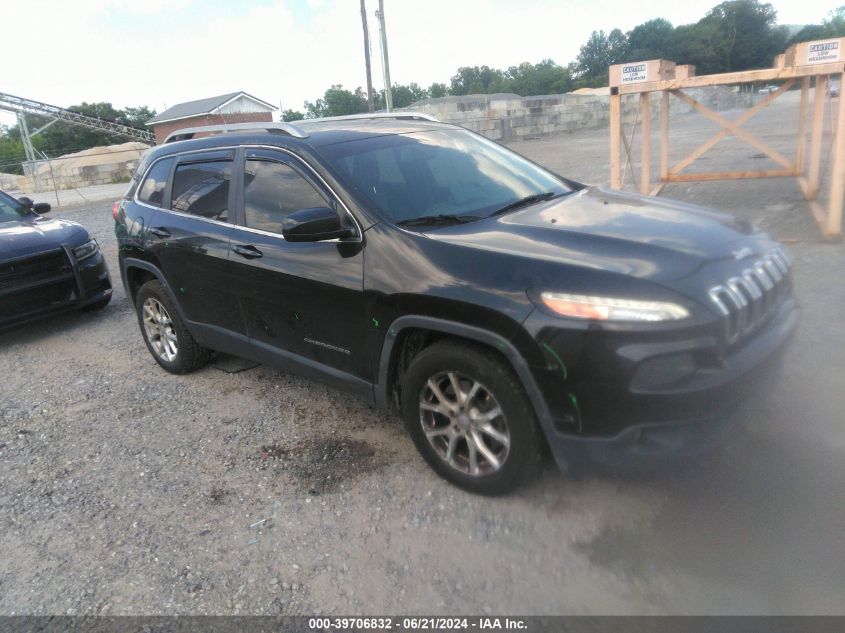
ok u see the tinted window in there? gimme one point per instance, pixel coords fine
(435, 173)
(272, 191)
(10, 209)
(152, 191)
(203, 189)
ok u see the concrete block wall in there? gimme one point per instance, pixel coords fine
(13, 184)
(506, 117)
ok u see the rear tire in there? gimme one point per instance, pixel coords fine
(470, 419)
(165, 334)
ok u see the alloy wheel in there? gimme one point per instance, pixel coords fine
(159, 330)
(464, 423)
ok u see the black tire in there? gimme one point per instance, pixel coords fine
(189, 355)
(499, 386)
(99, 305)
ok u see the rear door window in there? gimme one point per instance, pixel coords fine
(152, 191)
(202, 189)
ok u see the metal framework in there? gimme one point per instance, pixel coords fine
(625, 80)
(28, 106)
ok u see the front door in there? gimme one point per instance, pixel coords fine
(302, 301)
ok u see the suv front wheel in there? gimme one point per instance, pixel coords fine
(468, 416)
(165, 334)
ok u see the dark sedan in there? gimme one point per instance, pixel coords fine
(46, 265)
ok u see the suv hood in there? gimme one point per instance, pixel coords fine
(618, 232)
(34, 234)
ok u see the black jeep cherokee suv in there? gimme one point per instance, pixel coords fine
(500, 306)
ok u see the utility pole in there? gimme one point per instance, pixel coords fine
(367, 56)
(385, 63)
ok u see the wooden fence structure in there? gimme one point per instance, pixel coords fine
(815, 62)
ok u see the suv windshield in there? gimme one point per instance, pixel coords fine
(432, 175)
(10, 209)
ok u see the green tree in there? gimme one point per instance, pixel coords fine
(601, 51)
(437, 90)
(748, 37)
(543, 78)
(403, 95)
(833, 26)
(337, 101)
(650, 40)
(292, 115)
(474, 80)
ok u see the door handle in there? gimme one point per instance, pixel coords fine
(159, 231)
(247, 250)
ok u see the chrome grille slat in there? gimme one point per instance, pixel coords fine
(745, 300)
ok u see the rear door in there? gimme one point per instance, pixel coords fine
(299, 299)
(191, 241)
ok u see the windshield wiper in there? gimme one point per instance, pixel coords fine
(438, 220)
(526, 201)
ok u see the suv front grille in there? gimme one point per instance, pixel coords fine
(746, 301)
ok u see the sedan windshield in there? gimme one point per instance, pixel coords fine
(10, 209)
(411, 178)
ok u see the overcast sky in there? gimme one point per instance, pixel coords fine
(162, 52)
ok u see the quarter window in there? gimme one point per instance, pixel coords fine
(203, 189)
(152, 191)
(274, 190)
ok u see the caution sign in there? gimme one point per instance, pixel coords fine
(823, 52)
(634, 73)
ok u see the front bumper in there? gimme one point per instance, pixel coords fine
(627, 420)
(62, 284)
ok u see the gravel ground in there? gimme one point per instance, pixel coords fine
(130, 491)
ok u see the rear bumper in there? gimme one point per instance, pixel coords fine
(706, 412)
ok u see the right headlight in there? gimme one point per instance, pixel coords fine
(612, 309)
(85, 251)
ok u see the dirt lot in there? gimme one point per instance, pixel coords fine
(130, 491)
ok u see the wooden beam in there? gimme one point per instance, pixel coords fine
(833, 224)
(615, 136)
(735, 129)
(745, 76)
(802, 125)
(805, 186)
(730, 175)
(741, 120)
(645, 178)
(819, 214)
(816, 139)
(664, 136)
(657, 189)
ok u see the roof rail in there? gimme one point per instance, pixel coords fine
(375, 115)
(266, 126)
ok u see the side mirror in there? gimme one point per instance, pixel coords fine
(27, 202)
(41, 207)
(314, 225)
